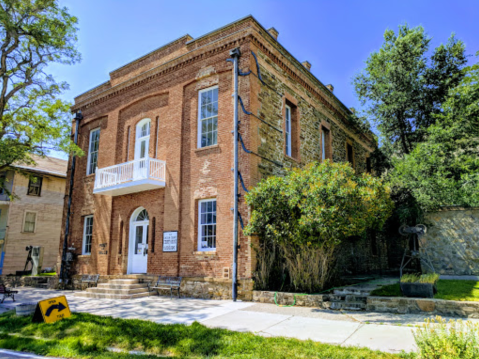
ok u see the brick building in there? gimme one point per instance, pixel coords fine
(34, 217)
(159, 153)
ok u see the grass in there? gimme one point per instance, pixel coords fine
(88, 336)
(463, 290)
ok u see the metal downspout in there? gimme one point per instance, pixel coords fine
(78, 118)
(235, 54)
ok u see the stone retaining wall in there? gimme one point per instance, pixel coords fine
(401, 305)
(452, 240)
(24, 281)
(308, 300)
(194, 287)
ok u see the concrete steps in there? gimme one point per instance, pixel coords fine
(117, 289)
(349, 299)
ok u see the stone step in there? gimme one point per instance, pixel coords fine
(117, 291)
(348, 298)
(123, 281)
(353, 291)
(85, 294)
(348, 305)
(122, 286)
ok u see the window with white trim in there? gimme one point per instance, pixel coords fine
(287, 131)
(87, 234)
(93, 151)
(142, 143)
(208, 117)
(30, 222)
(207, 225)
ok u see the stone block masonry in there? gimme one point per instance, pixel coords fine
(164, 86)
(452, 240)
(421, 305)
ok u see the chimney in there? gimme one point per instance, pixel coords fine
(307, 64)
(330, 87)
(273, 32)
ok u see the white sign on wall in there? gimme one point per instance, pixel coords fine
(170, 241)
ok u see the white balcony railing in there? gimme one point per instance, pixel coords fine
(128, 177)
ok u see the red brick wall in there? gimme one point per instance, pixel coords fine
(170, 92)
(192, 174)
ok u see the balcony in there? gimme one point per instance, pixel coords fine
(130, 177)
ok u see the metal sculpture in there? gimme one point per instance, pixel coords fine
(29, 258)
(419, 253)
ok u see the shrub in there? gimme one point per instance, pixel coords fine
(301, 218)
(438, 339)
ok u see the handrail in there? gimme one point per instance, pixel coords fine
(148, 168)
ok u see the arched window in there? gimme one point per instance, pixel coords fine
(142, 139)
(142, 216)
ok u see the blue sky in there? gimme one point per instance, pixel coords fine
(336, 37)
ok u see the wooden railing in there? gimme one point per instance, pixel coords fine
(148, 168)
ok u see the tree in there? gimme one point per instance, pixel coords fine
(306, 214)
(444, 169)
(403, 89)
(33, 119)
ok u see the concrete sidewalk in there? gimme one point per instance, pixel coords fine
(385, 332)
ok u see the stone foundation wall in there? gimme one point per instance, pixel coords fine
(23, 281)
(282, 298)
(452, 241)
(192, 287)
(440, 307)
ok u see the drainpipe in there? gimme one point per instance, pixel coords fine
(235, 54)
(78, 117)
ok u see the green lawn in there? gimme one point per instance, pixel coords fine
(88, 336)
(446, 289)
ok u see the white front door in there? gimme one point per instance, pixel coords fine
(138, 258)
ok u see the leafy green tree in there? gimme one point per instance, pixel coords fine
(403, 88)
(33, 119)
(444, 169)
(307, 213)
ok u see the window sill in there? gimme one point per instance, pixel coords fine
(84, 256)
(292, 158)
(205, 253)
(213, 147)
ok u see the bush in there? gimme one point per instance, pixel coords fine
(301, 218)
(438, 339)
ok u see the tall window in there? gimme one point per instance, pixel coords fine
(142, 143)
(368, 165)
(93, 151)
(208, 117)
(287, 129)
(325, 144)
(35, 186)
(207, 225)
(87, 235)
(3, 183)
(30, 222)
(350, 154)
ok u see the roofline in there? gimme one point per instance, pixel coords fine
(53, 173)
(221, 28)
(149, 53)
(298, 64)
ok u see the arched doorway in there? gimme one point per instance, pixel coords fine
(138, 243)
